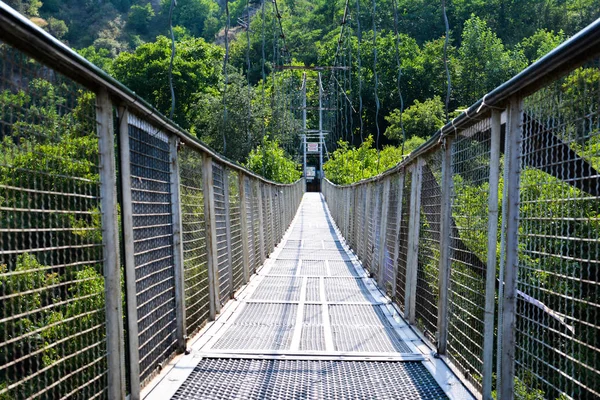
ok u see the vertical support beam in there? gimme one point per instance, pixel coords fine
(177, 246)
(490, 283)
(511, 194)
(130, 278)
(385, 205)
(367, 214)
(412, 259)
(244, 218)
(261, 225)
(397, 230)
(304, 123)
(447, 187)
(110, 250)
(321, 175)
(228, 228)
(211, 236)
(271, 215)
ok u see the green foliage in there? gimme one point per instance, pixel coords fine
(31, 8)
(57, 27)
(540, 43)
(420, 119)
(270, 161)
(99, 57)
(241, 125)
(348, 164)
(197, 16)
(484, 61)
(196, 69)
(140, 17)
(49, 148)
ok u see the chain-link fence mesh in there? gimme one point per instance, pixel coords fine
(250, 200)
(193, 230)
(237, 256)
(376, 234)
(427, 295)
(52, 311)
(150, 187)
(256, 224)
(468, 242)
(558, 309)
(221, 204)
(403, 242)
(391, 238)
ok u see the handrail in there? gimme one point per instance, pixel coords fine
(31, 39)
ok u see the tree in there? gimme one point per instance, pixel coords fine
(140, 17)
(193, 14)
(196, 69)
(420, 119)
(540, 43)
(270, 161)
(57, 27)
(350, 164)
(31, 8)
(235, 132)
(99, 57)
(484, 62)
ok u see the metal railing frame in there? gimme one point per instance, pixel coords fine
(506, 100)
(18, 32)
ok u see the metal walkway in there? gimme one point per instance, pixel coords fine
(310, 324)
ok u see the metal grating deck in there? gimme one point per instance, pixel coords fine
(296, 379)
(310, 324)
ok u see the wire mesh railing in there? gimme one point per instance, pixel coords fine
(121, 236)
(492, 244)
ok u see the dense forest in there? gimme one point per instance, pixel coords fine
(489, 42)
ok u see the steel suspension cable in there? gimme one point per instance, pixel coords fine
(360, 82)
(173, 4)
(449, 89)
(225, 61)
(399, 77)
(248, 65)
(376, 78)
(264, 75)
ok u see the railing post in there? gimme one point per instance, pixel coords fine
(412, 258)
(244, 227)
(383, 231)
(130, 278)
(509, 302)
(211, 235)
(490, 287)
(367, 219)
(177, 245)
(261, 227)
(110, 240)
(397, 230)
(227, 207)
(447, 186)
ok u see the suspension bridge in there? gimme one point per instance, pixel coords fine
(135, 262)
